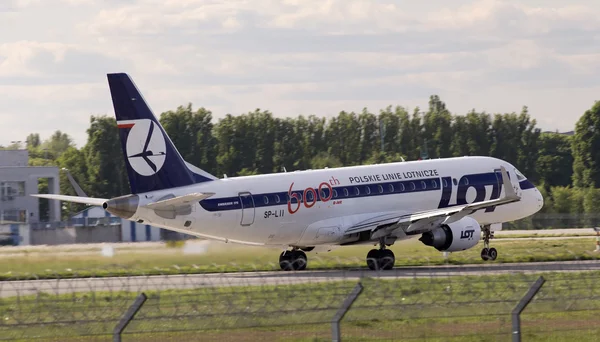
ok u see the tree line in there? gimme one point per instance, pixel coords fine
(565, 167)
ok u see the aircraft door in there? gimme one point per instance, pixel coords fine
(500, 186)
(496, 194)
(247, 203)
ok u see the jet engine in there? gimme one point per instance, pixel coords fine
(453, 237)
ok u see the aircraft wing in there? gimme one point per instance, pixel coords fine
(178, 201)
(429, 219)
(76, 199)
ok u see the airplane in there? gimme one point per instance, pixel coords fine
(448, 204)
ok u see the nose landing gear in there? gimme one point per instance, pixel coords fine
(488, 253)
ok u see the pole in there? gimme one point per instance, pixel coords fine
(516, 313)
(335, 322)
(133, 309)
(1, 203)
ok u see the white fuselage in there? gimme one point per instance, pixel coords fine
(257, 209)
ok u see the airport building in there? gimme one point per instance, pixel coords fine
(17, 181)
(28, 220)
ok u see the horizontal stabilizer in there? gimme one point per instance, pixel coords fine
(178, 201)
(75, 199)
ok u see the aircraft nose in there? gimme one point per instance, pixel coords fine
(539, 198)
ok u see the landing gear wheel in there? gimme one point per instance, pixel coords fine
(485, 254)
(380, 259)
(285, 261)
(293, 260)
(493, 254)
(299, 260)
(387, 260)
(373, 259)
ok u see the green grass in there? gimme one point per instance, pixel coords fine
(221, 257)
(466, 308)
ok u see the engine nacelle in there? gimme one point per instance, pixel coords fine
(458, 236)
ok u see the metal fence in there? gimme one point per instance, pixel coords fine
(451, 302)
(555, 221)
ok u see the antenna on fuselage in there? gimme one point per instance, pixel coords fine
(224, 175)
(284, 170)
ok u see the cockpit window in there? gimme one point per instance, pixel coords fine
(520, 176)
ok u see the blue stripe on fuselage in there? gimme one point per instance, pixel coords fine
(476, 181)
(281, 198)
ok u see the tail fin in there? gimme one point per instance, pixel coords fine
(152, 161)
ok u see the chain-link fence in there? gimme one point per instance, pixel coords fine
(548, 221)
(452, 302)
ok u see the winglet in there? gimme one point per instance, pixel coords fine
(509, 191)
(74, 184)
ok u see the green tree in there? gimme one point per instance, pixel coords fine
(33, 140)
(323, 160)
(554, 165)
(191, 133)
(107, 176)
(586, 149)
(74, 161)
(57, 144)
(369, 135)
(437, 129)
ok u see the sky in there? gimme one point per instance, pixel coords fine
(295, 57)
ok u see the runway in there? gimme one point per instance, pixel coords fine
(189, 281)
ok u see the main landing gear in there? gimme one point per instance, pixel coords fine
(293, 260)
(381, 259)
(488, 253)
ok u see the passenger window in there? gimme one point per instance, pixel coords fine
(380, 188)
(266, 199)
(391, 186)
(277, 199)
(309, 196)
(412, 186)
(346, 192)
(402, 187)
(423, 185)
(367, 190)
(356, 191)
(434, 183)
(335, 194)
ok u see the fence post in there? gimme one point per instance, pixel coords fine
(133, 309)
(516, 313)
(335, 322)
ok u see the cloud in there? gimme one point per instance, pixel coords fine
(292, 56)
(58, 62)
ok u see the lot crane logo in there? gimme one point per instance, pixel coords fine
(146, 148)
